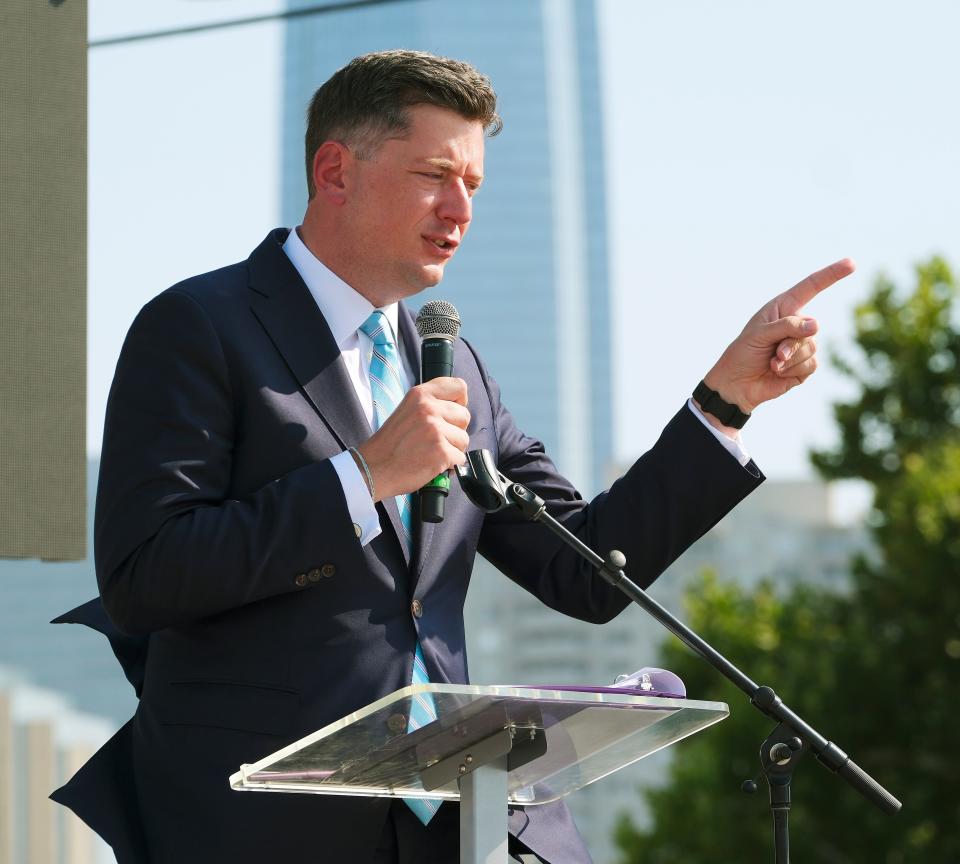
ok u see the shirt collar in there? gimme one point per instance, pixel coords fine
(343, 307)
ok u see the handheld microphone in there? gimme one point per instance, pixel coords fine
(438, 325)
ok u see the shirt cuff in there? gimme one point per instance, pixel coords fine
(734, 446)
(363, 512)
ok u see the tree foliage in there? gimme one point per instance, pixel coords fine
(877, 668)
(908, 380)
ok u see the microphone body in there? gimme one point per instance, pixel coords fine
(436, 358)
(438, 325)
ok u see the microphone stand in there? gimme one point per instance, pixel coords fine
(782, 749)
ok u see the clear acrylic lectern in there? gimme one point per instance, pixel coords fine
(489, 747)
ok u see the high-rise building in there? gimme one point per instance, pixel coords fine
(531, 281)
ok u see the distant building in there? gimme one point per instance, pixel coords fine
(785, 531)
(62, 695)
(43, 741)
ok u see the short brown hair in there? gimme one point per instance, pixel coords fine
(367, 100)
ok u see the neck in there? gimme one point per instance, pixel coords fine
(327, 246)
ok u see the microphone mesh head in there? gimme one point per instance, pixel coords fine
(438, 318)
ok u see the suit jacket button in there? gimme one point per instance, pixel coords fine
(397, 723)
(357, 530)
(417, 608)
(300, 579)
(328, 570)
(314, 575)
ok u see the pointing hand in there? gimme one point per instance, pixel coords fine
(776, 350)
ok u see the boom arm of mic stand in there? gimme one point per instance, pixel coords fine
(762, 698)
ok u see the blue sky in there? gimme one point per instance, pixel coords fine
(748, 143)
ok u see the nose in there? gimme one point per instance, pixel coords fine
(455, 204)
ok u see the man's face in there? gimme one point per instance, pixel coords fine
(409, 205)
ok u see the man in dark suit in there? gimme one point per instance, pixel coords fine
(252, 544)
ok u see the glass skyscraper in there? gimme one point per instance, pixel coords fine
(531, 281)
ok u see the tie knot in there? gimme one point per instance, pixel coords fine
(377, 328)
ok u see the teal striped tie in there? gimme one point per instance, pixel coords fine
(386, 387)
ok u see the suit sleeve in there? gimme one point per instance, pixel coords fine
(669, 498)
(170, 543)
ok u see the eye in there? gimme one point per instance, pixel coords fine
(432, 175)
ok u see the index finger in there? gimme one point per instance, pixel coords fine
(804, 291)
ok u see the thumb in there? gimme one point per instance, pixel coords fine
(788, 327)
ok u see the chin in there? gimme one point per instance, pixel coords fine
(426, 277)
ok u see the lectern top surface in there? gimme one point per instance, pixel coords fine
(556, 741)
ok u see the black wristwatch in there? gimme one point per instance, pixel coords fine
(711, 403)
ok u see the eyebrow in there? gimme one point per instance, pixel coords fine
(448, 165)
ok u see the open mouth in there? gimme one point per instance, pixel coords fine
(442, 243)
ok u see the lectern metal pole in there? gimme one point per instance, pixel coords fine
(483, 814)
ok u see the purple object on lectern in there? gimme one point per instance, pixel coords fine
(648, 681)
(653, 682)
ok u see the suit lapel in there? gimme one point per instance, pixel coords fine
(282, 303)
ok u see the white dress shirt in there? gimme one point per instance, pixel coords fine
(345, 311)
(734, 446)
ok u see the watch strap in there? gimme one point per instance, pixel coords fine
(711, 402)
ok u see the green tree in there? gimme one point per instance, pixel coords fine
(908, 382)
(876, 669)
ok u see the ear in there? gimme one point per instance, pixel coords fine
(330, 163)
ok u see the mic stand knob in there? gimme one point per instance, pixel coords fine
(531, 505)
(779, 755)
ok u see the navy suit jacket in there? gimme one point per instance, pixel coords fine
(247, 612)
